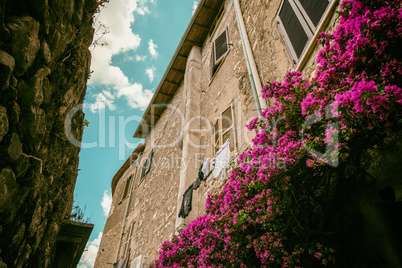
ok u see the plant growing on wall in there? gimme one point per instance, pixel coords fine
(278, 217)
(78, 214)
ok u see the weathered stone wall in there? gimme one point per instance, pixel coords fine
(270, 52)
(44, 66)
(152, 206)
(229, 85)
(155, 196)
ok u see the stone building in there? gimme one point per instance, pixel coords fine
(209, 92)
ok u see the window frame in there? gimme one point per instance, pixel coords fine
(215, 64)
(219, 60)
(307, 17)
(127, 187)
(129, 236)
(306, 24)
(221, 132)
(145, 170)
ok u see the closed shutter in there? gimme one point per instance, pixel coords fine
(294, 30)
(298, 22)
(146, 166)
(217, 137)
(314, 9)
(143, 171)
(149, 161)
(221, 47)
(227, 128)
(126, 189)
(213, 59)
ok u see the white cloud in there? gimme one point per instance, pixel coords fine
(143, 10)
(152, 49)
(88, 257)
(102, 100)
(150, 72)
(195, 5)
(119, 38)
(135, 58)
(106, 202)
(136, 95)
(140, 58)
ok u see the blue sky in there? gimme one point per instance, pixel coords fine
(135, 41)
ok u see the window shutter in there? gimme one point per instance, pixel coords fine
(227, 119)
(128, 238)
(143, 171)
(314, 10)
(298, 21)
(146, 166)
(125, 249)
(220, 47)
(132, 229)
(149, 162)
(213, 59)
(217, 138)
(227, 128)
(294, 30)
(126, 189)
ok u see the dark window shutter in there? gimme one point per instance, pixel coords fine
(143, 170)
(221, 46)
(146, 166)
(315, 9)
(213, 59)
(294, 29)
(126, 189)
(149, 161)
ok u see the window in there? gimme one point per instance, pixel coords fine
(298, 22)
(129, 235)
(127, 188)
(220, 47)
(146, 166)
(224, 129)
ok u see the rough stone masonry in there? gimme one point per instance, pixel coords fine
(44, 66)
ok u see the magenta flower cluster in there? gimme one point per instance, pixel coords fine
(357, 90)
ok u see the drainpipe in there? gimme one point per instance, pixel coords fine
(125, 215)
(251, 67)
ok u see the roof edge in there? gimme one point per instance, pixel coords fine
(176, 53)
(133, 156)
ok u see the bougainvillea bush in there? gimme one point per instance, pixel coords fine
(273, 211)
